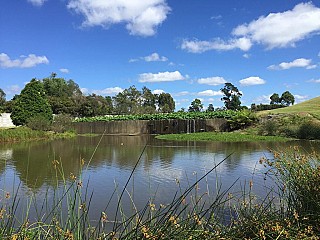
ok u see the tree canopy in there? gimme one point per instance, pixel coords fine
(231, 97)
(31, 103)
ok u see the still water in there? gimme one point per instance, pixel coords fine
(163, 168)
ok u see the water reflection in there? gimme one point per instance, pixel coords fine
(112, 159)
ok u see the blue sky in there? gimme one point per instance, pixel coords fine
(187, 48)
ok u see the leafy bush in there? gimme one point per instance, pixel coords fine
(39, 122)
(31, 103)
(242, 119)
(268, 128)
(309, 130)
(62, 123)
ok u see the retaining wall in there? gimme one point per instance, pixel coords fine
(5, 120)
(151, 126)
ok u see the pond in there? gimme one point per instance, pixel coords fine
(163, 169)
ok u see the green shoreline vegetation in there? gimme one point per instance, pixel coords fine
(19, 134)
(290, 210)
(221, 137)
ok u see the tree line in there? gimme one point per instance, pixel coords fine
(54, 95)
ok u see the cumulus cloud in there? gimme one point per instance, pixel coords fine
(23, 62)
(283, 29)
(252, 81)
(300, 62)
(213, 81)
(108, 91)
(157, 91)
(197, 46)
(210, 93)
(141, 17)
(276, 30)
(37, 2)
(64, 70)
(161, 77)
(154, 57)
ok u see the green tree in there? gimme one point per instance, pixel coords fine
(31, 103)
(166, 103)
(275, 99)
(231, 97)
(2, 100)
(95, 105)
(287, 98)
(128, 101)
(63, 96)
(210, 108)
(195, 106)
(149, 101)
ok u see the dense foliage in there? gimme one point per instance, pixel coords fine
(228, 114)
(231, 96)
(30, 104)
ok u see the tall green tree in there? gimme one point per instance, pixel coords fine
(2, 100)
(149, 101)
(196, 106)
(210, 108)
(31, 103)
(231, 96)
(63, 96)
(287, 98)
(166, 103)
(128, 101)
(275, 99)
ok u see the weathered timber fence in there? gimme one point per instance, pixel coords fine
(138, 127)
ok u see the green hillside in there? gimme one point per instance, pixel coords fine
(311, 106)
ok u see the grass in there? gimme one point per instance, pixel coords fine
(221, 137)
(311, 107)
(290, 211)
(27, 134)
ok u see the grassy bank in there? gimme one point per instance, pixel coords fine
(290, 211)
(26, 134)
(221, 137)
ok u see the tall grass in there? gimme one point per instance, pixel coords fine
(289, 211)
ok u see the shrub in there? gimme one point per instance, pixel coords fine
(39, 122)
(242, 119)
(309, 130)
(62, 123)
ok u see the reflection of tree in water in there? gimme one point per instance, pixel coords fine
(33, 161)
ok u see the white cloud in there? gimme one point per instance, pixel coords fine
(108, 91)
(252, 81)
(246, 55)
(161, 77)
(23, 62)
(37, 2)
(183, 93)
(213, 81)
(154, 57)
(264, 99)
(157, 91)
(141, 17)
(300, 62)
(64, 70)
(315, 80)
(196, 46)
(210, 93)
(283, 29)
(13, 89)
